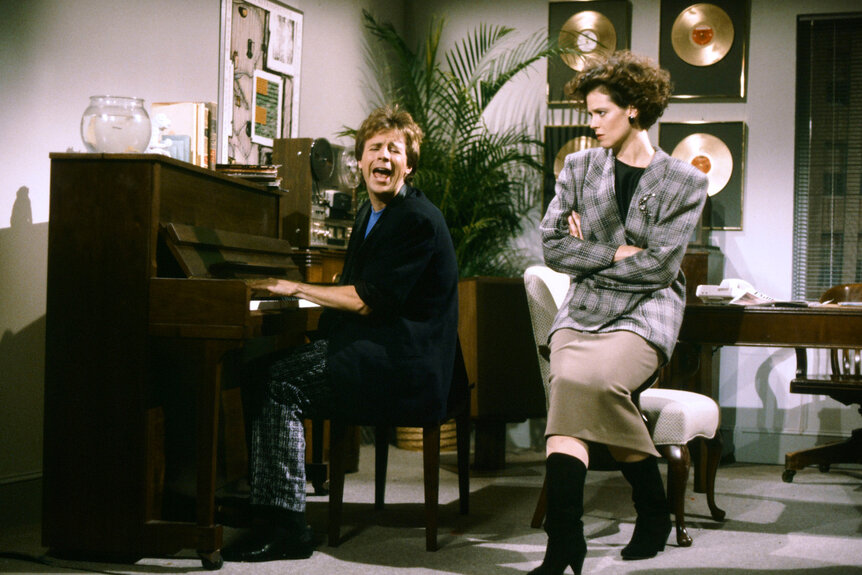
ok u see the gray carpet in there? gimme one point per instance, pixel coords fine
(812, 526)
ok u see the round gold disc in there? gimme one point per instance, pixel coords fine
(570, 147)
(709, 155)
(588, 34)
(702, 34)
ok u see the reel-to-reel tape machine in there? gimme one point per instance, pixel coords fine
(321, 179)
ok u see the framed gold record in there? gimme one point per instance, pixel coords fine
(718, 150)
(560, 141)
(704, 47)
(587, 29)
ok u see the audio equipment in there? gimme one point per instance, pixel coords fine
(321, 180)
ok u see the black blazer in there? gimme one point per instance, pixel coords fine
(395, 365)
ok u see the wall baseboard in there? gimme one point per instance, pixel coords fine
(752, 445)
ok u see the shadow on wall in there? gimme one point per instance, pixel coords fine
(23, 279)
(22, 367)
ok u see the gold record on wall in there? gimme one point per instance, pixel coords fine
(709, 155)
(718, 150)
(586, 34)
(702, 34)
(588, 29)
(574, 145)
(704, 46)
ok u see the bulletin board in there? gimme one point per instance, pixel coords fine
(259, 72)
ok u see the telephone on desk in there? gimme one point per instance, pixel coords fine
(739, 292)
(732, 291)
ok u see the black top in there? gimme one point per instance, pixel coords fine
(626, 180)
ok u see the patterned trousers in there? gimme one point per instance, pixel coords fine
(285, 388)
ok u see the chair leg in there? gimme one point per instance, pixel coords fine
(462, 439)
(714, 450)
(431, 459)
(678, 465)
(541, 507)
(337, 458)
(381, 460)
(316, 470)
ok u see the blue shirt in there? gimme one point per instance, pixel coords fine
(372, 219)
(375, 215)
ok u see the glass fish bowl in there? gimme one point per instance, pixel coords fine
(115, 125)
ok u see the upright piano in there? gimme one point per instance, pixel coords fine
(147, 262)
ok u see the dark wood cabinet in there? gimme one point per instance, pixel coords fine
(500, 355)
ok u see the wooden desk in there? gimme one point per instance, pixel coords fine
(705, 326)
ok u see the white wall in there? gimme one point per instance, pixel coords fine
(59, 53)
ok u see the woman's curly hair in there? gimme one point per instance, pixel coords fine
(629, 80)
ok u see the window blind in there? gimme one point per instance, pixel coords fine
(828, 148)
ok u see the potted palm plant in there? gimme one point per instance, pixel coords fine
(482, 180)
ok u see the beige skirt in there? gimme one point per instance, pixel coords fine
(592, 379)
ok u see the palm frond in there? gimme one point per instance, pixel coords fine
(515, 61)
(479, 179)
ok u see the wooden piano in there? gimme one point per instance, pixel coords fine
(146, 262)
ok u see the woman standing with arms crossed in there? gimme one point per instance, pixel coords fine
(619, 224)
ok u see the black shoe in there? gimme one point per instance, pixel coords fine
(648, 539)
(653, 524)
(562, 554)
(271, 545)
(563, 522)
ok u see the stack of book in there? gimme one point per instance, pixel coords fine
(187, 130)
(266, 175)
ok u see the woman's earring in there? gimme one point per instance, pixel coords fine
(631, 120)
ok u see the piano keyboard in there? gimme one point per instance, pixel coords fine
(279, 302)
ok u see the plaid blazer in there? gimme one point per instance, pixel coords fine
(644, 293)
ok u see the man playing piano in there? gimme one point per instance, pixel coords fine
(389, 333)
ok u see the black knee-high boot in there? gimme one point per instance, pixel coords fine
(653, 524)
(563, 523)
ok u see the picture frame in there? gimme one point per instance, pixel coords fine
(267, 108)
(257, 37)
(589, 17)
(282, 49)
(704, 46)
(708, 145)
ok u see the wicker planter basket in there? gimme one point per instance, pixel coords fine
(410, 438)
